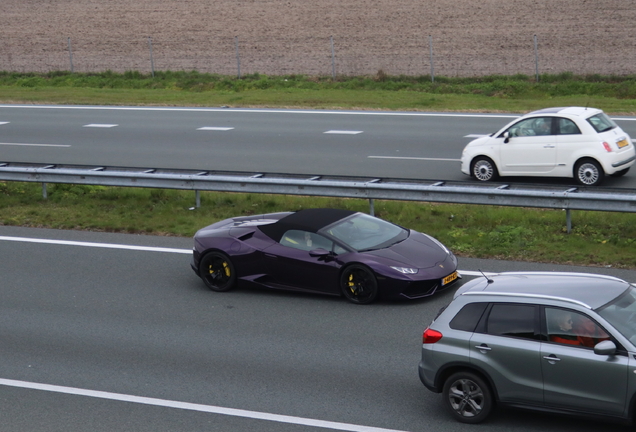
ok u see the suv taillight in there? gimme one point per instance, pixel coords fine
(431, 336)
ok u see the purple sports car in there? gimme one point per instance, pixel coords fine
(328, 251)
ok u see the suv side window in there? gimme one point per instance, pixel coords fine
(573, 328)
(468, 317)
(513, 320)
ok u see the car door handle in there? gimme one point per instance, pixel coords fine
(483, 347)
(552, 359)
(549, 146)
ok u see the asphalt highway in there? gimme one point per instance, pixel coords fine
(114, 332)
(353, 143)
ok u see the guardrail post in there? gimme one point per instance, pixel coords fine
(44, 195)
(197, 198)
(568, 220)
(371, 207)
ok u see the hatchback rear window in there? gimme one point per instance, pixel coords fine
(601, 122)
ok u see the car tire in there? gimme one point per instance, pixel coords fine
(620, 173)
(588, 172)
(483, 169)
(358, 284)
(217, 271)
(468, 397)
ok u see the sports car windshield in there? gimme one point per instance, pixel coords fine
(621, 313)
(363, 232)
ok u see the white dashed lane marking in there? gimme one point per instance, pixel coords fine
(214, 128)
(475, 135)
(343, 132)
(35, 145)
(3, 123)
(414, 158)
(99, 125)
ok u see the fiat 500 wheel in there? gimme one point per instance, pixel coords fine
(467, 397)
(359, 284)
(484, 169)
(588, 173)
(217, 271)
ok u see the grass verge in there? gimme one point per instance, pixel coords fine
(597, 239)
(518, 93)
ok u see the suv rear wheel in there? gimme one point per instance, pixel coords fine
(468, 397)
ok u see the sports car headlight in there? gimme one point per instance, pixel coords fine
(405, 270)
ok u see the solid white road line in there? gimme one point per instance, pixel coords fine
(99, 125)
(213, 128)
(35, 145)
(414, 158)
(343, 132)
(262, 111)
(98, 245)
(140, 248)
(193, 407)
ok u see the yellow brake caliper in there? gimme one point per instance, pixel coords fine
(351, 284)
(227, 269)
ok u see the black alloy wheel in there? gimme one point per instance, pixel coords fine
(467, 397)
(358, 284)
(217, 271)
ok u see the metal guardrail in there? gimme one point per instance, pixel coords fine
(517, 195)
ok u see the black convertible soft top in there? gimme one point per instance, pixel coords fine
(311, 220)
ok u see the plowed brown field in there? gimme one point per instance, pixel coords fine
(469, 37)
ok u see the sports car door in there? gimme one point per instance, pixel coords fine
(292, 265)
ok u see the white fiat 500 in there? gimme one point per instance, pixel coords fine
(583, 143)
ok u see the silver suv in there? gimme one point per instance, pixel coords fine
(550, 341)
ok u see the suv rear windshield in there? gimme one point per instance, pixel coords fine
(601, 122)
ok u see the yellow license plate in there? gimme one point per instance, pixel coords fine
(622, 143)
(448, 279)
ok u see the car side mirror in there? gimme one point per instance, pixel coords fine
(320, 252)
(606, 347)
(506, 136)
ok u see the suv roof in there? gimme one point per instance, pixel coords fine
(589, 290)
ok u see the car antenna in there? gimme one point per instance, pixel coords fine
(484, 275)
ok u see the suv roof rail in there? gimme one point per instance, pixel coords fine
(552, 273)
(542, 296)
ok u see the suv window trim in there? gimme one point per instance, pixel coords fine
(524, 295)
